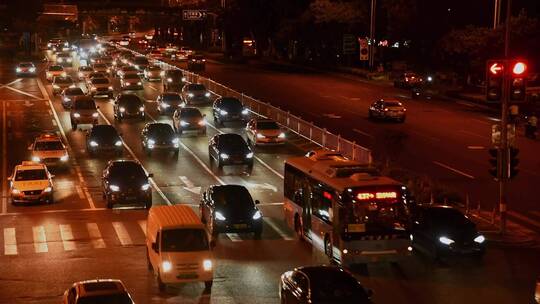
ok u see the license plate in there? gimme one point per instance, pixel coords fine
(356, 228)
(130, 198)
(187, 276)
(240, 226)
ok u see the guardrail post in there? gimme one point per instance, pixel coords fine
(324, 138)
(311, 131)
(354, 150)
(242, 97)
(339, 142)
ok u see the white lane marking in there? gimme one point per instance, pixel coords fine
(472, 105)
(152, 87)
(4, 160)
(190, 186)
(524, 219)
(95, 235)
(256, 157)
(122, 234)
(10, 242)
(363, 133)
(24, 93)
(55, 115)
(142, 224)
(79, 192)
(265, 186)
(234, 237)
(494, 119)
(8, 84)
(67, 237)
(474, 134)
(40, 240)
(151, 180)
(281, 233)
(453, 169)
(476, 147)
(481, 121)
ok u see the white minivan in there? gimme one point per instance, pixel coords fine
(178, 246)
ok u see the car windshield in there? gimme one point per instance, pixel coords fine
(190, 112)
(336, 286)
(196, 87)
(184, 240)
(447, 217)
(171, 97)
(104, 131)
(87, 104)
(65, 80)
(267, 125)
(48, 145)
(129, 170)
(231, 104)
(33, 174)
(129, 99)
(56, 68)
(236, 197)
(74, 91)
(109, 299)
(100, 80)
(160, 130)
(26, 65)
(392, 104)
(232, 141)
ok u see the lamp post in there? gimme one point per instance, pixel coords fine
(372, 34)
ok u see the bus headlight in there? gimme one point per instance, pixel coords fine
(207, 265)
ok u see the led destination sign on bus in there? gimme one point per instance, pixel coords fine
(362, 196)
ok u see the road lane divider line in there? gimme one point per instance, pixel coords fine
(234, 237)
(10, 242)
(64, 137)
(453, 169)
(67, 237)
(80, 192)
(142, 224)
(276, 228)
(40, 239)
(122, 234)
(23, 92)
(151, 180)
(363, 133)
(476, 147)
(10, 83)
(4, 159)
(524, 218)
(95, 236)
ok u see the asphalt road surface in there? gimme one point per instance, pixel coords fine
(48, 247)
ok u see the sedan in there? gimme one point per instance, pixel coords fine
(127, 106)
(153, 72)
(103, 138)
(84, 72)
(229, 109)
(230, 208)
(387, 110)
(97, 291)
(195, 93)
(126, 70)
(260, 131)
(25, 69)
(131, 82)
(230, 149)
(54, 71)
(189, 119)
(169, 102)
(322, 284)
(101, 68)
(60, 83)
(443, 231)
(69, 95)
(159, 136)
(126, 181)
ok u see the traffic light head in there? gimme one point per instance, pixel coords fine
(519, 68)
(494, 80)
(518, 82)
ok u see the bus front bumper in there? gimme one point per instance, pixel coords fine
(375, 251)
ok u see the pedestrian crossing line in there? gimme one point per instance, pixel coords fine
(142, 224)
(95, 235)
(234, 237)
(122, 234)
(40, 239)
(67, 238)
(10, 242)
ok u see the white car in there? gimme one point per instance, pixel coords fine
(31, 182)
(55, 71)
(97, 291)
(49, 149)
(261, 131)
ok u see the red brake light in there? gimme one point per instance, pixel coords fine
(327, 195)
(519, 68)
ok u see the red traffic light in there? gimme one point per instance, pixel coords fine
(519, 68)
(495, 68)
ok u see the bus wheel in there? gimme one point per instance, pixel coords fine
(298, 227)
(328, 249)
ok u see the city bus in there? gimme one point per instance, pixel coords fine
(346, 209)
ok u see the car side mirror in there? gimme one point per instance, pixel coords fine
(151, 175)
(257, 202)
(155, 247)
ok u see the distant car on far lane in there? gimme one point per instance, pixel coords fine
(97, 291)
(387, 109)
(25, 69)
(408, 80)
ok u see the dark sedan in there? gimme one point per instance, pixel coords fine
(169, 102)
(128, 105)
(103, 138)
(69, 95)
(322, 285)
(230, 208)
(230, 149)
(159, 136)
(189, 119)
(229, 109)
(173, 80)
(126, 182)
(443, 231)
(387, 110)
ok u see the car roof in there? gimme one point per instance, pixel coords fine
(56, 66)
(48, 137)
(26, 63)
(30, 165)
(99, 287)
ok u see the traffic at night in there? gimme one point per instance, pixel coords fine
(236, 151)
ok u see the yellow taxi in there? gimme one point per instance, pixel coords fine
(49, 149)
(31, 182)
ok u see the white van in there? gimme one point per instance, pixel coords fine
(178, 246)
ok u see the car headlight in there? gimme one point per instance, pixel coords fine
(224, 156)
(219, 216)
(48, 74)
(118, 143)
(207, 265)
(110, 88)
(81, 75)
(55, 86)
(249, 155)
(48, 189)
(32, 70)
(127, 83)
(175, 140)
(479, 239)
(136, 66)
(76, 115)
(446, 240)
(15, 191)
(36, 159)
(93, 144)
(202, 122)
(165, 105)
(281, 135)
(66, 99)
(18, 70)
(184, 79)
(145, 187)
(108, 70)
(190, 95)
(151, 142)
(257, 215)
(64, 74)
(166, 266)
(95, 115)
(162, 73)
(207, 94)
(114, 188)
(245, 112)
(64, 158)
(139, 83)
(169, 79)
(259, 135)
(122, 109)
(183, 123)
(223, 112)
(141, 109)
(93, 88)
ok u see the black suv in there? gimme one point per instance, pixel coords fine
(230, 208)
(229, 109)
(103, 138)
(159, 136)
(126, 181)
(128, 105)
(189, 119)
(230, 149)
(173, 80)
(169, 102)
(196, 62)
